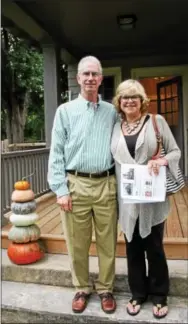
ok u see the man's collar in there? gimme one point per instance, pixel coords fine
(90, 103)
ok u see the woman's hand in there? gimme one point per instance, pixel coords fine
(154, 165)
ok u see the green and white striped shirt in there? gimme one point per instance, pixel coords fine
(81, 137)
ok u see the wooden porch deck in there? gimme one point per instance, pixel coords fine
(176, 228)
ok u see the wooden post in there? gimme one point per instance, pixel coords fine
(51, 87)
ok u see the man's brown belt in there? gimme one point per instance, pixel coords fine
(93, 175)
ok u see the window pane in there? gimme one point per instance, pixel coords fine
(163, 107)
(174, 89)
(175, 104)
(107, 88)
(168, 92)
(169, 119)
(168, 105)
(162, 93)
(175, 116)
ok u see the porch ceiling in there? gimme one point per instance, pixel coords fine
(90, 27)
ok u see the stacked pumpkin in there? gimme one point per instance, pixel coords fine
(24, 234)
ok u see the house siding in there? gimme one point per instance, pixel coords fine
(72, 82)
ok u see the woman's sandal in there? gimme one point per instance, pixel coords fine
(134, 303)
(159, 307)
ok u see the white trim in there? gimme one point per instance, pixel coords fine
(171, 70)
(113, 71)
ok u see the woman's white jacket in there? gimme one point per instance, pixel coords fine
(150, 214)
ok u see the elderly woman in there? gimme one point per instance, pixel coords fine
(134, 141)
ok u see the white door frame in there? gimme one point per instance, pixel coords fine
(171, 70)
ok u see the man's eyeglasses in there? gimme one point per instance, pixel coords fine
(93, 74)
(133, 98)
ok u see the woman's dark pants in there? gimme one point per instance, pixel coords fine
(156, 284)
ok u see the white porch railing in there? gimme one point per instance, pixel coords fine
(20, 164)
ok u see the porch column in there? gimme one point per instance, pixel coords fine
(51, 87)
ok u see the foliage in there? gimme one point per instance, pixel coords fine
(22, 112)
(22, 70)
(34, 128)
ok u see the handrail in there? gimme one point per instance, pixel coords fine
(22, 153)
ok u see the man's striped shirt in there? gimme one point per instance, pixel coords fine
(81, 137)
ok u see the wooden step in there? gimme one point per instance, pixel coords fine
(175, 248)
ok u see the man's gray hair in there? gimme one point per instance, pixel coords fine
(92, 59)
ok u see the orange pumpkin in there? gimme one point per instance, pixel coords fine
(25, 253)
(22, 185)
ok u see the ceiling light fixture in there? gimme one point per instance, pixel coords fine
(126, 22)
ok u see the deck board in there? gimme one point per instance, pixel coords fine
(185, 195)
(48, 217)
(173, 221)
(46, 210)
(175, 233)
(58, 230)
(44, 204)
(182, 207)
(50, 224)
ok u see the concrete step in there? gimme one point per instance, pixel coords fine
(34, 303)
(54, 270)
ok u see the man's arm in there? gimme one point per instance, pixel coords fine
(56, 165)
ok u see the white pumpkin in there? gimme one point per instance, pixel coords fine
(24, 208)
(23, 220)
(22, 234)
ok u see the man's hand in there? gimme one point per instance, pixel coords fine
(65, 202)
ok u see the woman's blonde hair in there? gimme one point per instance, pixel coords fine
(130, 88)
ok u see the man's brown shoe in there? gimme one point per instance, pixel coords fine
(79, 302)
(108, 302)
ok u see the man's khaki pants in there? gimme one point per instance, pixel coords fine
(92, 198)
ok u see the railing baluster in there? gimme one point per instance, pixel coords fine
(26, 165)
(46, 170)
(14, 170)
(22, 167)
(18, 168)
(3, 185)
(6, 169)
(37, 167)
(30, 169)
(44, 175)
(10, 183)
(41, 167)
(18, 164)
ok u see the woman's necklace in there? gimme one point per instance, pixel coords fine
(131, 128)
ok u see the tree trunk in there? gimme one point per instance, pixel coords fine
(16, 119)
(17, 125)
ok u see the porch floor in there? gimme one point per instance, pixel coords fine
(175, 238)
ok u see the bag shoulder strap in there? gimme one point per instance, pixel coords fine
(158, 138)
(156, 129)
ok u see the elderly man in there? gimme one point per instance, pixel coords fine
(81, 174)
